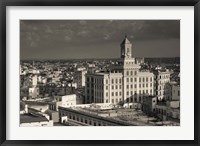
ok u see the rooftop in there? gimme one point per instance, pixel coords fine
(28, 118)
(125, 41)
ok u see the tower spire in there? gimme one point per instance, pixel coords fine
(125, 35)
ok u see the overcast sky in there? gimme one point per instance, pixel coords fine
(68, 39)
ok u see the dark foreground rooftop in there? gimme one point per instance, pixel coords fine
(28, 118)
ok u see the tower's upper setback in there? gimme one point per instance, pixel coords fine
(126, 48)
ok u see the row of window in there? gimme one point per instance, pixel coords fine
(131, 99)
(131, 73)
(87, 121)
(147, 79)
(119, 80)
(130, 93)
(116, 87)
(114, 94)
(115, 81)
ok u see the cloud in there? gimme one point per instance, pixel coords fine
(107, 36)
(48, 34)
(83, 33)
(48, 29)
(32, 38)
(67, 38)
(83, 22)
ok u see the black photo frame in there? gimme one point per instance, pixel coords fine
(5, 3)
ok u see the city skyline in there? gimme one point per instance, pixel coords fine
(81, 39)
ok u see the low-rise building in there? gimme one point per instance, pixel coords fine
(28, 120)
(149, 104)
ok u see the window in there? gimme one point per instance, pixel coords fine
(127, 73)
(128, 50)
(112, 93)
(143, 79)
(140, 85)
(131, 92)
(127, 79)
(178, 93)
(135, 73)
(147, 79)
(146, 85)
(143, 85)
(106, 87)
(116, 81)
(106, 81)
(131, 79)
(112, 87)
(116, 93)
(131, 72)
(131, 86)
(116, 87)
(106, 94)
(135, 85)
(135, 79)
(127, 93)
(112, 81)
(120, 86)
(120, 80)
(120, 93)
(135, 99)
(127, 86)
(139, 79)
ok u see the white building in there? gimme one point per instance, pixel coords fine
(162, 86)
(123, 83)
(33, 92)
(79, 77)
(64, 101)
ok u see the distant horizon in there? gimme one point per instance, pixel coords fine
(98, 58)
(73, 39)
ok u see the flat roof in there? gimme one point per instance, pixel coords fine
(28, 118)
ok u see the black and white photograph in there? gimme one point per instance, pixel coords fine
(99, 73)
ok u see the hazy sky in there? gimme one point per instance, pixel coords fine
(68, 39)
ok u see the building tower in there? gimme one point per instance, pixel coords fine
(126, 48)
(129, 70)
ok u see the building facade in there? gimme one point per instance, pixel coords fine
(162, 86)
(123, 83)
